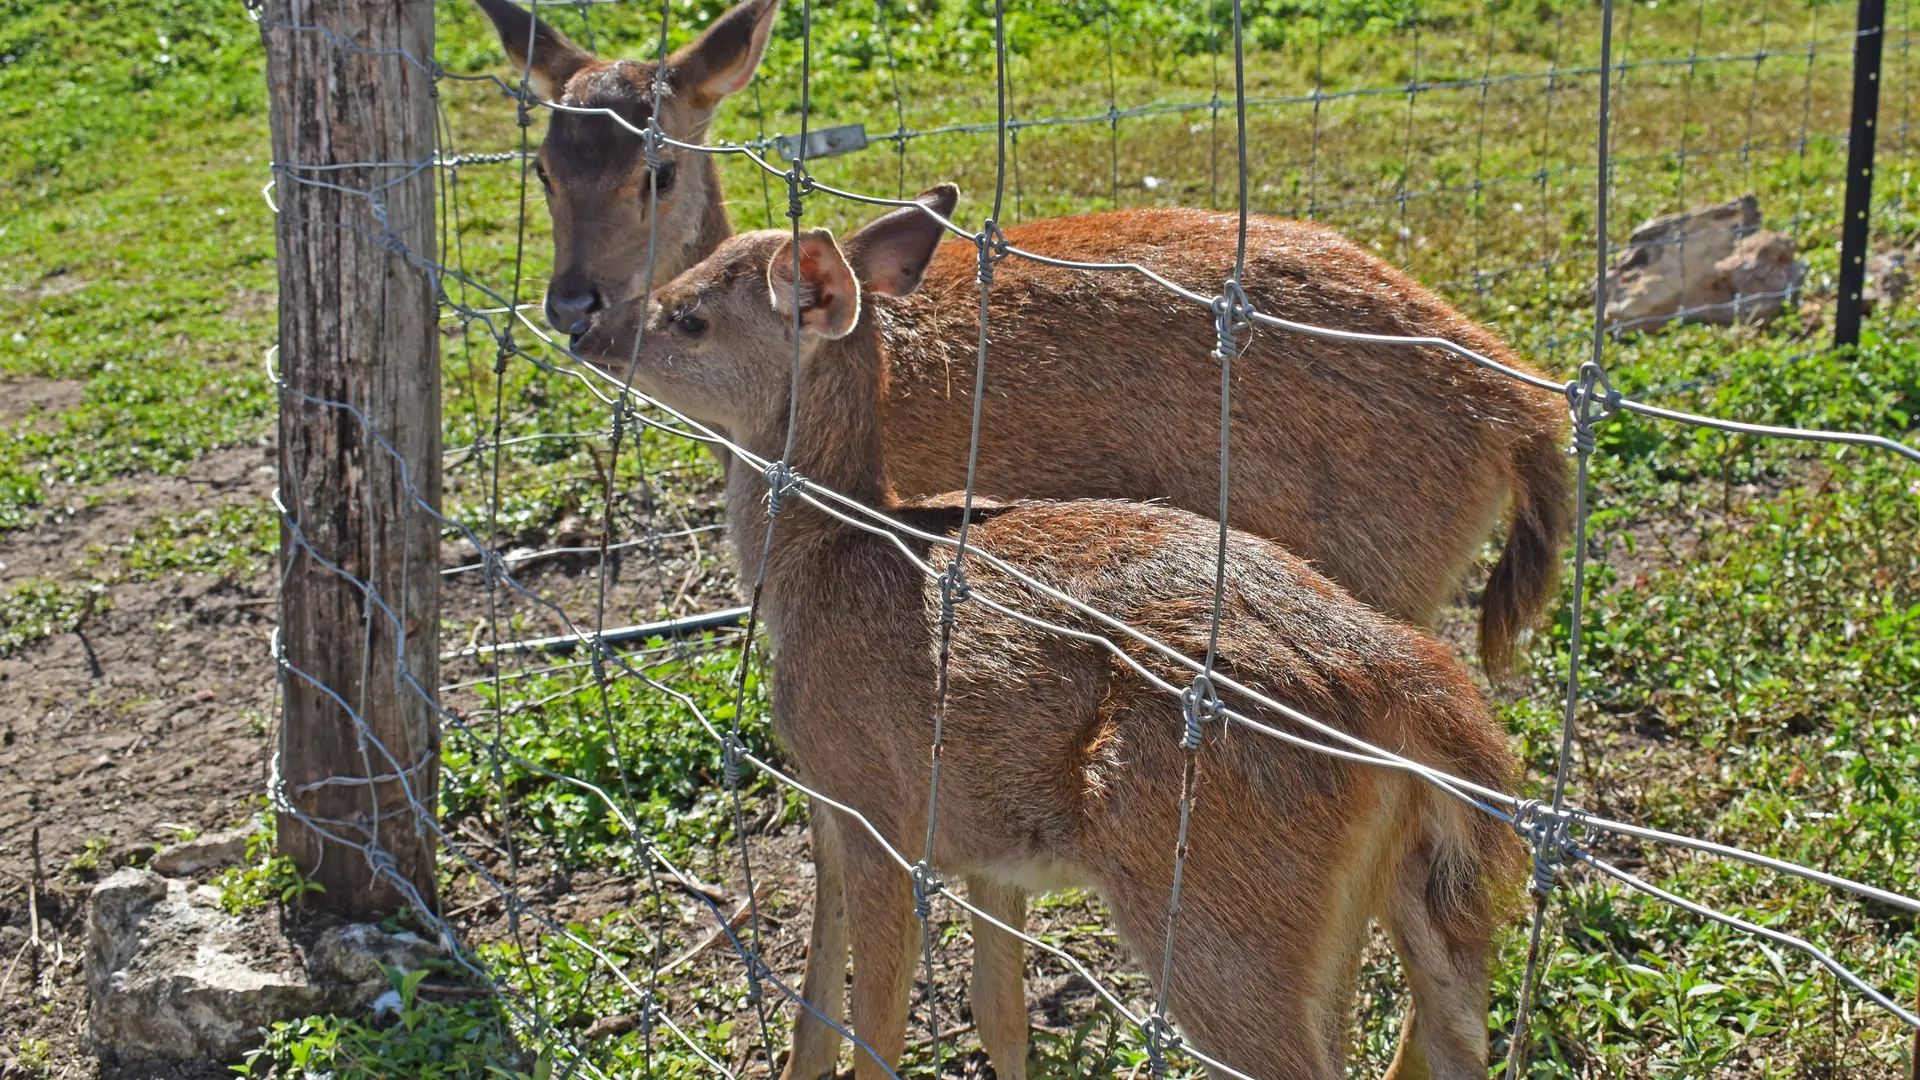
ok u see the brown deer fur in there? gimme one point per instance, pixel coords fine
(1062, 766)
(1385, 466)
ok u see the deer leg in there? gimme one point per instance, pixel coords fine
(816, 1039)
(1445, 1034)
(886, 938)
(999, 977)
(1266, 1003)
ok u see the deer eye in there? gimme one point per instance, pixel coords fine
(690, 324)
(664, 176)
(540, 171)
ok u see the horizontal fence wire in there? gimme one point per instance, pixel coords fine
(1560, 834)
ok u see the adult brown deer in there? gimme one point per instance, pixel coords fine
(1062, 765)
(1385, 466)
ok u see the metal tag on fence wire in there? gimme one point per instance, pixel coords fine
(823, 142)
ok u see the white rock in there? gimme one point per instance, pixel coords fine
(203, 853)
(173, 978)
(1713, 264)
(170, 979)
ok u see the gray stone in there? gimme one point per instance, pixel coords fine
(350, 957)
(203, 853)
(1889, 279)
(1713, 265)
(172, 976)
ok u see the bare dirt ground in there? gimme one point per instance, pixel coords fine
(152, 714)
(148, 718)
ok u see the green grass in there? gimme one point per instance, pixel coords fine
(1749, 657)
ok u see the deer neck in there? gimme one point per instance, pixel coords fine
(836, 444)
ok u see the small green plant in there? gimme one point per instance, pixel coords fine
(429, 1040)
(33, 1057)
(1096, 1048)
(91, 858)
(266, 878)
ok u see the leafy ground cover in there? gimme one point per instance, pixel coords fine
(1749, 655)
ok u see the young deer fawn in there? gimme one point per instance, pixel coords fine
(1061, 765)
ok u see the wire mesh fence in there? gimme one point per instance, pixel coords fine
(1484, 175)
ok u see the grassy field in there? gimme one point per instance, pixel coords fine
(1752, 663)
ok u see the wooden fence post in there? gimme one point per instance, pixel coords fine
(348, 85)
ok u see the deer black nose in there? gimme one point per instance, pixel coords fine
(569, 311)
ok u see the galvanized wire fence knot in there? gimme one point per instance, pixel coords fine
(649, 1014)
(493, 567)
(780, 479)
(1591, 398)
(1546, 831)
(757, 971)
(1232, 313)
(1161, 1040)
(993, 247)
(953, 590)
(799, 183)
(925, 884)
(380, 863)
(730, 751)
(1200, 703)
(650, 143)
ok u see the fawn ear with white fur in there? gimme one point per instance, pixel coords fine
(891, 253)
(828, 292)
(722, 60)
(555, 59)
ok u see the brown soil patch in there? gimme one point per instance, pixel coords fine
(20, 398)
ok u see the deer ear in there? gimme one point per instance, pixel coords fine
(722, 60)
(829, 294)
(890, 253)
(555, 59)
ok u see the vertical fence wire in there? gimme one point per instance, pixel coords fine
(1213, 113)
(779, 479)
(1806, 122)
(1200, 702)
(502, 352)
(989, 243)
(1319, 97)
(1550, 238)
(1113, 110)
(899, 102)
(1546, 835)
(1476, 193)
(1404, 235)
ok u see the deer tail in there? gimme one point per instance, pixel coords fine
(1525, 575)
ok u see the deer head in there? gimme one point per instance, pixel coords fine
(718, 339)
(604, 202)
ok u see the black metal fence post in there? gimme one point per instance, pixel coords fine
(1856, 228)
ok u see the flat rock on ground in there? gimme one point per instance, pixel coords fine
(174, 977)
